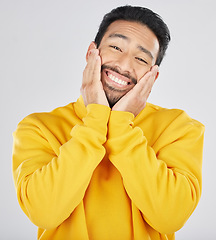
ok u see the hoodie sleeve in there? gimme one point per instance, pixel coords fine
(49, 183)
(164, 180)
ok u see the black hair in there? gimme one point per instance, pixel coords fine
(141, 15)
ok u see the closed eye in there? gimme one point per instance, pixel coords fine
(116, 48)
(141, 60)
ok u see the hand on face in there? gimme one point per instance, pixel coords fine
(92, 89)
(135, 100)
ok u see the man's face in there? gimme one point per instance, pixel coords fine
(128, 50)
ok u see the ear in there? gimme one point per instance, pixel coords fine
(91, 46)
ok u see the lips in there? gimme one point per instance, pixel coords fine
(116, 80)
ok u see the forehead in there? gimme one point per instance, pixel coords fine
(135, 32)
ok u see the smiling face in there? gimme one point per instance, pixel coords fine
(128, 50)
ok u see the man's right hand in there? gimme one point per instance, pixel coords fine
(92, 88)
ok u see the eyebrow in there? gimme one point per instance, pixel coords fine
(145, 51)
(141, 48)
(118, 35)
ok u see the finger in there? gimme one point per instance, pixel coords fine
(91, 61)
(148, 80)
(90, 67)
(93, 70)
(96, 75)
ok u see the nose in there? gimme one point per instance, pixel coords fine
(124, 63)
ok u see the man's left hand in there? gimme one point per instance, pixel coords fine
(135, 100)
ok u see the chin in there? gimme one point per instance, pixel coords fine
(113, 94)
(113, 98)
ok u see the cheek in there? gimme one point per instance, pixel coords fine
(142, 72)
(104, 56)
(107, 56)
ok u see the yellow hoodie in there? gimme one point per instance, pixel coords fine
(92, 173)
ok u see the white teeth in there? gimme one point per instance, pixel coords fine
(115, 79)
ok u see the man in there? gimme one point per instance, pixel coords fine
(112, 166)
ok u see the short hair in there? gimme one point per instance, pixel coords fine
(141, 15)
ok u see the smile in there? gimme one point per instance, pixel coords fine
(117, 80)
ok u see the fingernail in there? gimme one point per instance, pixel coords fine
(92, 51)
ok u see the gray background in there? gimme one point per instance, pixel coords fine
(42, 56)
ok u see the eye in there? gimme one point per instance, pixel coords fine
(116, 48)
(141, 60)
